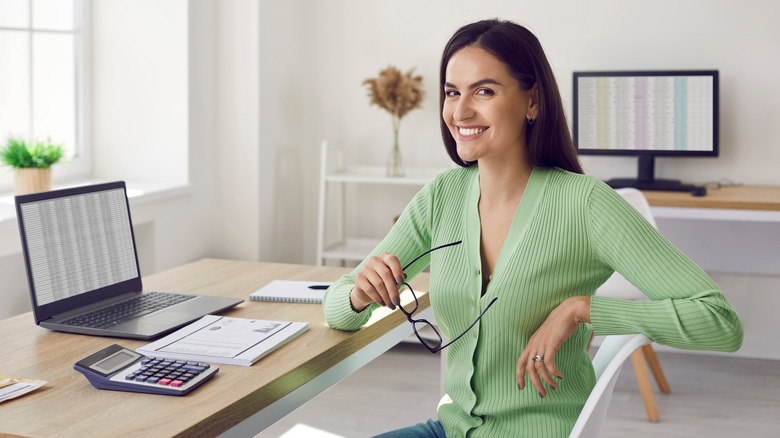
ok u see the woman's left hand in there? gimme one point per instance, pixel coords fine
(538, 358)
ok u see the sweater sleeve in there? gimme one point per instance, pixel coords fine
(686, 308)
(408, 238)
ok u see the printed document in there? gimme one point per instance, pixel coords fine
(12, 387)
(220, 339)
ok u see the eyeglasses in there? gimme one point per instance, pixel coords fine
(433, 345)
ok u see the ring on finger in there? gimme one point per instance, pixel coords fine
(538, 358)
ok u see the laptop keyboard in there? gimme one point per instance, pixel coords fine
(142, 305)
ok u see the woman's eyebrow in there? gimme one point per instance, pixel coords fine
(475, 84)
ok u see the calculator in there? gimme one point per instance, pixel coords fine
(120, 369)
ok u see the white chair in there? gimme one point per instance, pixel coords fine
(618, 287)
(607, 364)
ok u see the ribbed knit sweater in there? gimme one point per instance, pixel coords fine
(569, 234)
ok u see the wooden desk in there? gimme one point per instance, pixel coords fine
(741, 203)
(765, 198)
(238, 400)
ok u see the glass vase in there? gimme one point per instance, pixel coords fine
(395, 165)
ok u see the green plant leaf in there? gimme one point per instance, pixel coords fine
(18, 153)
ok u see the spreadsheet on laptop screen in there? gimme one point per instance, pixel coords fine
(79, 243)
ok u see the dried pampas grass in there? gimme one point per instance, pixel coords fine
(396, 92)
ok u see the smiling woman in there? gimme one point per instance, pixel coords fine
(514, 54)
(538, 239)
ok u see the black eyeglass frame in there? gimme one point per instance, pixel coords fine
(437, 347)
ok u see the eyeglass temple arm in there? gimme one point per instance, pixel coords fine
(430, 251)
(442, 347)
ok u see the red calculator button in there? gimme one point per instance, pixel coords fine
(177, 383)
(164, 381)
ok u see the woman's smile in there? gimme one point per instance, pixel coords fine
(467, 134)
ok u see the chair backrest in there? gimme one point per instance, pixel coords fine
(607, 364)
(617, 286)
(637, 200)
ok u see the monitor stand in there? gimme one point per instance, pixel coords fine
(646, 179)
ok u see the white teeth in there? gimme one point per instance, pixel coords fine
(470, 131)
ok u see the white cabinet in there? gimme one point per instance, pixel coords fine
(340, 246)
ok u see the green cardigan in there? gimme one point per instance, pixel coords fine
(569, 234)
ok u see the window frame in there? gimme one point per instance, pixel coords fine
(79, 167)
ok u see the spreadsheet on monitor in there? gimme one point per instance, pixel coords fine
(672, 113)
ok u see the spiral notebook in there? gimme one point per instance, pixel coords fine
(291, 291)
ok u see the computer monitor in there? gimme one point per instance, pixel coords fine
(646, 114)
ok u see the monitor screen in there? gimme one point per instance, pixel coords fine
(646, 114)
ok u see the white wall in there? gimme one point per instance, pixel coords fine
(151, 94)
(176, 99)
(284, 118)
(140, 94)
(352, 40)
(347, 41)
(236, 118)
(236, 95)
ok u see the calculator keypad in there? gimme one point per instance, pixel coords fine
(174, 374)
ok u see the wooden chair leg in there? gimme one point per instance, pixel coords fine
(645, 387)
(655, 367)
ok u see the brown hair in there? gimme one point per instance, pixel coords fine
(548, 141)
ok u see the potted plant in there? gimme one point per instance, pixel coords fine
(32, 163)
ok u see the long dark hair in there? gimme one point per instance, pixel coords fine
(548, 142)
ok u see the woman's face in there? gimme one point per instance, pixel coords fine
(484, 107)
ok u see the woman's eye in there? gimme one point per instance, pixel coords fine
(450, 93)
(485, 92)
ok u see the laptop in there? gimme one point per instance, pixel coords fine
(82, 267)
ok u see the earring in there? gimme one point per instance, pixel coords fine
(531, 121)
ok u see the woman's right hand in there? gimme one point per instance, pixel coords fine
(378, 282)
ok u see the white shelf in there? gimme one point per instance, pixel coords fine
(336, 171)
(377, 175)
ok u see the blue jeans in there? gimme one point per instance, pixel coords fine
(431, 429)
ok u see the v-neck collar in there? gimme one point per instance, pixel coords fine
(517, 230)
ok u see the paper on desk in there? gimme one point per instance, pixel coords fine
(12, 387)
(221, 339)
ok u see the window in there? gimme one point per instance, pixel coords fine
(42, 86)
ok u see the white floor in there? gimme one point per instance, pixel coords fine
(711, 397)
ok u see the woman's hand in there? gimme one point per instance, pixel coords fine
(538, 358)
(378, 282)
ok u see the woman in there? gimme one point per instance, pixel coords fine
(539, 238)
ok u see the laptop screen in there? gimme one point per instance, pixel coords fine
(77, 241)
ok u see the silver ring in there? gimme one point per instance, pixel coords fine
(538, 358)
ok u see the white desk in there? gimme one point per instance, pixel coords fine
(731, 230)
(734, 234)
